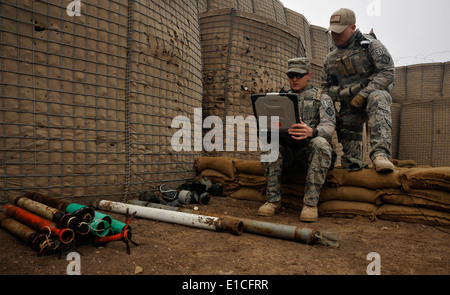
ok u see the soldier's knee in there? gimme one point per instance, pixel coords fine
(379, 97)
(379, 100)
(321, 144)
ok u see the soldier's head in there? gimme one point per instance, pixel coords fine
(342, 26)
(299, 73)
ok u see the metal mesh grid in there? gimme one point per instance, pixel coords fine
(446, 80)
(242, 5)
(280, 13)
(166, 82)
(62, 114)
(300, 24)
(78, 118)
(426, 140)
(441, 133)
(424, 81)
(242, 54)
(321, 44)
(396, 111)
(416, 136)
(399, 92)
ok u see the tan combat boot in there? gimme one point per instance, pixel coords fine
(383, 165)
(269, 209)
(309, 214)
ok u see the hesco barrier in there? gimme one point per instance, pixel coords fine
(270, 9)
(422, 81)
(243, 54)
(396, 114)
(425, 132)
(422, 91)
(87, 100)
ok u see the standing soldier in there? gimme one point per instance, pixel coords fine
(308, 147)
(359, 73)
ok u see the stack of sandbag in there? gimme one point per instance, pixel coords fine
(355, 194)
(424, 197)
(240, 179)
(410, 194)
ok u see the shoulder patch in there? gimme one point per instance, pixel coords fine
(328, 107)
(379, 52)
(386, 59)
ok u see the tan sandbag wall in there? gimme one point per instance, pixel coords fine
(410, 194)
(82, 118)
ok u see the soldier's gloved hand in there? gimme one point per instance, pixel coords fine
(358, 101)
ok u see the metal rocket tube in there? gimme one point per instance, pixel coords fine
(188, 219)
(274, 230)
(39, 223)
(30, 236)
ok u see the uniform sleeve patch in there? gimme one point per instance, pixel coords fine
(386, 59)
(330, 112)
(379, 52)
(329, 108)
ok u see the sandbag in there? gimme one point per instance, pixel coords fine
(431, 199)
(347, 209)
(248, 180)
(404, 163)
(349, 193)
(413, 215)
(221, 164)
(249, 167)
(228, 184)
(367, 178)
(249, 194)
(426, 178)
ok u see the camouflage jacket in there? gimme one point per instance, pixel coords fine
(364, 61)
(317, 111)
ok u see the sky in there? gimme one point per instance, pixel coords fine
(413, 31)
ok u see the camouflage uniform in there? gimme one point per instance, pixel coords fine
(363, 67)
(312, 155)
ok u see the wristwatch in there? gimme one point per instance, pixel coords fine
(315, 132)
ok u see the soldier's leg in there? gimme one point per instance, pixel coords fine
(319, 161)
(380, 123)
(350, 134)
(273, 172)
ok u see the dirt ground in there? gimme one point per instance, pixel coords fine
(170, 249)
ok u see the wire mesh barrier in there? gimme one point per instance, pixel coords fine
(87, 100)
(425, 140)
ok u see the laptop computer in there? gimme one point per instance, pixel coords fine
(282, 105)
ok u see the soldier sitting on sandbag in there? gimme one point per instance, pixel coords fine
(307, 148)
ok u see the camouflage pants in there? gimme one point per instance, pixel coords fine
(314, 157)
(377, 111)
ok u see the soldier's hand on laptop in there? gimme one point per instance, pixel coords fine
(301, 131)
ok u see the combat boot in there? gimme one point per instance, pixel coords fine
(309, 214)
(383, 165)
(269, 209)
